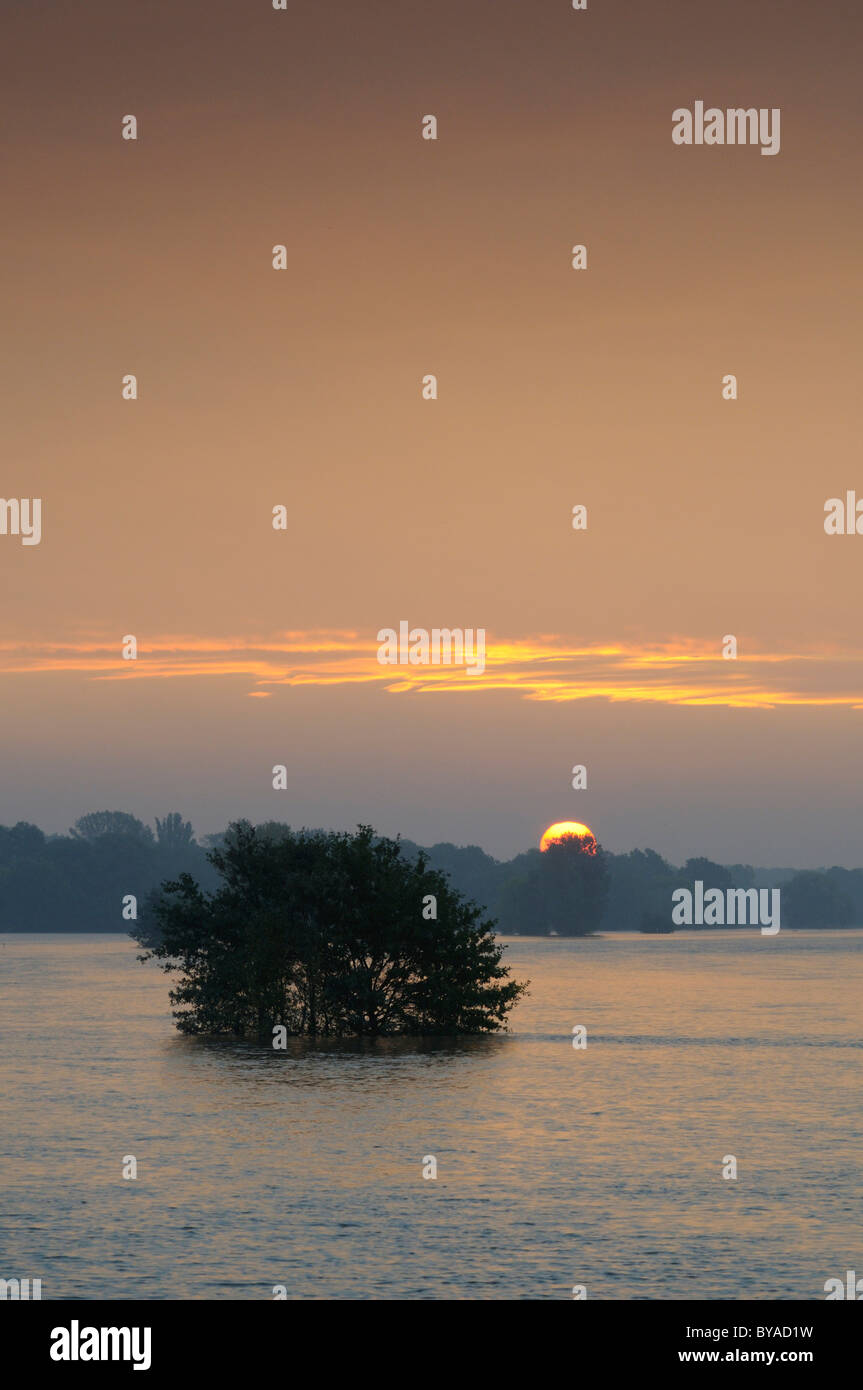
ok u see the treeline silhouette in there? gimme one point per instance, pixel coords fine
(78, 881)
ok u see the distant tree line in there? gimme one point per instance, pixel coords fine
(570, 890)
(78, 881)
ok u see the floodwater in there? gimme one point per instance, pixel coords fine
(601, 1166)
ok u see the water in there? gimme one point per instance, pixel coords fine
(555, 1167)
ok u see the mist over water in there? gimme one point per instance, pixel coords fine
(555, 1166)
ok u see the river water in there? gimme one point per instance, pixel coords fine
(556, 1167)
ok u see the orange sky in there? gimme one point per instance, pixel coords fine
(556, 387)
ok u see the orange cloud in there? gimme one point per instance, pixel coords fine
(546, 667)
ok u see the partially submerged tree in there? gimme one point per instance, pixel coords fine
(326, 933)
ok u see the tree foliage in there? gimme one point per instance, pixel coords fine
(814, 899)
(325, 934)
(98, 823)
(563, 891)
(173, 832)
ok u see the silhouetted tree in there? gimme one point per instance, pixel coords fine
(711, 875)
(518, 904)
(812, 899)
(325, 933)
(573, 882)
(564, 890)
(173, 832)
(641, 883)
(21, 841)
(98, 823)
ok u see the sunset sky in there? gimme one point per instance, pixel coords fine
(406, 257)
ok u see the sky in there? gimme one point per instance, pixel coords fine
(557, 387)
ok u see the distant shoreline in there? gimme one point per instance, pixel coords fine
(510, 936)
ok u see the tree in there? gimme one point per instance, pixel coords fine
(573, 883)
(173, 832)
(812, 899)
(98, 823)
(642, 883)
(564, 890)
(711, 875)
(515, 900)
(326, 933)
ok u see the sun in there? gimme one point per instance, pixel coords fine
(565, 827)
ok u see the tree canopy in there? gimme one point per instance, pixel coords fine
(97, 824)
(174, 833)
(326, 933)
(816, 900)
(563, 890)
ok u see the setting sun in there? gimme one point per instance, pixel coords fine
(562, 828)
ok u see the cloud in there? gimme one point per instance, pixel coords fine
(547, 668)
